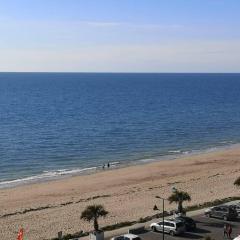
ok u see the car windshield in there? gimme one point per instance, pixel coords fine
(119, 238)
(185, 219)
(136, 238)
(188, 220)
(232, 210)
(179, 224)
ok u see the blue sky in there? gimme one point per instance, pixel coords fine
(120, 35)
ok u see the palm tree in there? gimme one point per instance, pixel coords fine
(179, 197)
(92, 213)
(237, 182)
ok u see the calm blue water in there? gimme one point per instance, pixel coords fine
(69, 122)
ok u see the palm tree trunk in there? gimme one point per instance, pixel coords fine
(180, 207)
(96, 227)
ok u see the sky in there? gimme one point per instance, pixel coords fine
(120, 35)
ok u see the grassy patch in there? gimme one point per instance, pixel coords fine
(118, 225)
(211, 204)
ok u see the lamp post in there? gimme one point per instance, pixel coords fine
(163, 199)
(174, 189)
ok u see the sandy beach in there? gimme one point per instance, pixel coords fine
(128, 193)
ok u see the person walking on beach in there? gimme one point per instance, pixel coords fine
(225, 233)
(229, 231)
(108, 165)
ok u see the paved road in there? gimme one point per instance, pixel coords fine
(205, 227)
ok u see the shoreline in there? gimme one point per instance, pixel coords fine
(58, 174)
(43, 209)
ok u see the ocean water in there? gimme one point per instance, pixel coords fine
(57, 124)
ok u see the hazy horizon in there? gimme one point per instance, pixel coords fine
(121, 72)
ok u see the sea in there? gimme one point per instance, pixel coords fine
(55, 125)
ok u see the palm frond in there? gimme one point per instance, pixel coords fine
(92, 212)
(237, 182)
(179, 196)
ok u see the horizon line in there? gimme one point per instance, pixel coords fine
(77, 72)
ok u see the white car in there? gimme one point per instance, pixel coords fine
(208, 210)
(237, 238)
(128, 236)
(173, 227)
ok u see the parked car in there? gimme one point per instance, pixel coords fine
(128, 236)
(208, 210)
(190, 224)
(236, 207)
(173, 227)
(223, 212)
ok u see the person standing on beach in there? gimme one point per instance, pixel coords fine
(108, 165)
(225, 233)
(229, 231)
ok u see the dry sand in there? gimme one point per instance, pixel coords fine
(127, 193)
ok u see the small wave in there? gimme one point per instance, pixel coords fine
(226, 142)
(114, 163)
(147, 160)
(180, 152)
(62, 172)
(175, 151)
(46, 175)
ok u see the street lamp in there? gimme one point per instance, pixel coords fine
(174, 189)
(155, 208)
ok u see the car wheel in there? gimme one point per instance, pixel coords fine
(172, 233)
(225, 218)
(154, 229)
